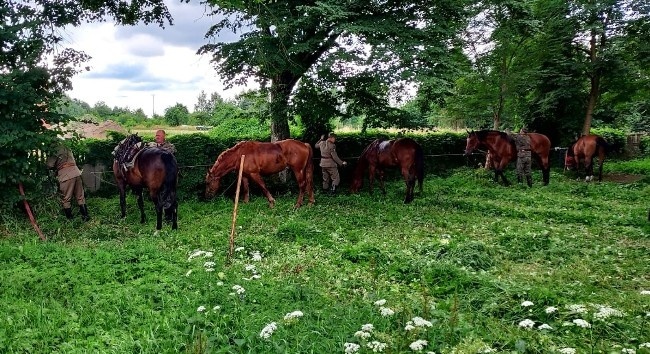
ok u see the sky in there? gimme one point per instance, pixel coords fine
(146, 66)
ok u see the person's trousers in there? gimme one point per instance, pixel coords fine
(72, 188)
(330, 174)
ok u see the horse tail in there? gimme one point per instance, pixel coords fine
(602, 143)
(362, 166)
(168, 190)
(419, 165)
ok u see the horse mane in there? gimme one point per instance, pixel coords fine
(225, 158)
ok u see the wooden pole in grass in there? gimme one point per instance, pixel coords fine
(29, 212)
(234, 212)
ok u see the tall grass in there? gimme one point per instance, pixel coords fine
(468, 267)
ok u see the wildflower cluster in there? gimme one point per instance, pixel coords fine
(384, 311)
(270, 328)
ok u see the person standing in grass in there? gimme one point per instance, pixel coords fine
(329, 162)
(70, 183)
(522, 143)
(161, 143)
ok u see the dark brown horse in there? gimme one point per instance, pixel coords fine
(584, 150)
(264, 159)
(153, 168)
(405, 154)
(502, 150)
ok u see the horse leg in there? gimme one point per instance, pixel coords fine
(245, 189)
(409, 179)
(371, 177)
(122, 189)
(600, 169)
(155, 197)
(138, 192)
(258, 179)
(382, 186)
(589, 169)
(546, 171)
(302, 186)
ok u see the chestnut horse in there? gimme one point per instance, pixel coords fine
(153, 168)
(585, 149)
(264, 159)
(405, 154)
(502, 150)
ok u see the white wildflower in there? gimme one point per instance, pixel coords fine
(268, 330)
(238, 289)
(209, 264)
(188, 273)
(544, 326)
(489, 350)
(581, 323)
(376, 346)
(219, 283)
(418, 345)
(568, 351)
(645, 292)
(251, 268)
(209, 269)
(362, 334)
(551, 309)
(216, 308)
(381, 302)
(606, 311)
(409, 326)
(628, 351)
(386, 311)
(644, 345)
(527, 303)
(368, 327)
(256, 256)
(527, 323)
(208, 254)
(421, 322)
(351, 347)
(239, 249)
(577, 308)
(197, 253)
(200, 308)
(293, 315)
(444, 241)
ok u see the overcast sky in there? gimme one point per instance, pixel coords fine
(146, 66)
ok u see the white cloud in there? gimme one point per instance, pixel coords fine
(148, 67)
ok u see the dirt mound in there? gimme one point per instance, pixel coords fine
(96, 130)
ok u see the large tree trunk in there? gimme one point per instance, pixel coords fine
(594, 90)
(280, 90)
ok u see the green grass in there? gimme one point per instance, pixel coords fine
(464, 255)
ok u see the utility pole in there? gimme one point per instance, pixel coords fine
(153, 105)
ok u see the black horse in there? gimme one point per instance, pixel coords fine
(156, 169)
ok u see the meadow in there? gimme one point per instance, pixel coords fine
(468, 267)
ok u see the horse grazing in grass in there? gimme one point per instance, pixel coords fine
(405, 154)
(264, 159)
(584, 150)
(150, 167)
(502, 150)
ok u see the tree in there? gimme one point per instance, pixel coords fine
(31, 89)
(177, 115)
(282, 42)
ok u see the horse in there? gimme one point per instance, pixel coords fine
(265, 159)
(502, 150)
(585, 149)
(153, 168)
(405, 154)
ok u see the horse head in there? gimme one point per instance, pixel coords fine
(212, 183)
(472, 142)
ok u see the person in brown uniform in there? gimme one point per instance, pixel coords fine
(161, 143)
(70, 183)
(329, 162)
(522, 143)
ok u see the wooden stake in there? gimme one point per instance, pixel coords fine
(234, 212)
(29, 213)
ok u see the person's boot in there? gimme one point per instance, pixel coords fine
(333, 190)
(68, 213)
(83, 209)
(529, 180)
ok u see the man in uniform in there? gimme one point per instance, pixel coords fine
(69, 177)
(329, 162)
(161, 143)
(522, 143)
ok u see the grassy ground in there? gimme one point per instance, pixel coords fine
(468, 267)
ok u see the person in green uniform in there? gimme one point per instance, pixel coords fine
(70, 183)
(329, 162)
